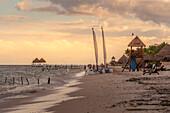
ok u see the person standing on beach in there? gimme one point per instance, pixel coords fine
(42, 68)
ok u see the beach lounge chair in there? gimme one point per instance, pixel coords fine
(162, 68)
(154, 69)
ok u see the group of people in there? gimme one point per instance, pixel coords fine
(158, 65)
(95, 67)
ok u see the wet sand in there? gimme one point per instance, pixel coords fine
(36, 101)
(127, 92)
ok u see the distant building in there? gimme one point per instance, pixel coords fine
(36, 61)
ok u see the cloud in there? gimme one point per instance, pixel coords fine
(49, 8)
(24, 5)
(13, 18)
(56, 40)
(3, 1)
(157, 11)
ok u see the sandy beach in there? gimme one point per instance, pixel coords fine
(128, 92)
(118, 92)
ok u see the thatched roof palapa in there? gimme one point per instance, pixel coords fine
(123, 59)
(42, 60)
(36, 60)
(164, 53)
(113, 57)
(113, 62)
(136, 42)
(149, 57)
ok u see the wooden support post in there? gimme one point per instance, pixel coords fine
(6, 79)
(27, 81)
(13, 80)
(21, 80)
(48, 81)
(38, 81)
(130, 57)
(143, 59)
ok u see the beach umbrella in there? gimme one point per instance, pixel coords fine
(36, 60)
(42, 60)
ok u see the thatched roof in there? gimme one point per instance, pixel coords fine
(36, 60)
(42, 60)
(136, 42)
(113, 57)
(112, 62)
(164, 51)
(158, 58)
(123, 59)
(166, 58)
(149, 57)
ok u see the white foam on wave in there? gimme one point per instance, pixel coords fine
(58, 78)
(41, 103)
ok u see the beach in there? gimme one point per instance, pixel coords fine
(127, 92)
(118, 92)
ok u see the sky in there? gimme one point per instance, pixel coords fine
(60, 30)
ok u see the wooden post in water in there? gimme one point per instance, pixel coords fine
(13, 80)
(6, 79)
(27, 81)
(21, 80)
(48, 81)
(38, 81)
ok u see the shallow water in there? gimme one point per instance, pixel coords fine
(40, 104)
(58, 77)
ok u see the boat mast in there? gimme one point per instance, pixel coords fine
(104, 48)
(95, 48)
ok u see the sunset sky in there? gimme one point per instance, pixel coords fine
(60, 30)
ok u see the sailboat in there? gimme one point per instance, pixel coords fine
(103, 70)
(96, 55)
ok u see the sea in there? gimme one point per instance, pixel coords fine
(20, 79)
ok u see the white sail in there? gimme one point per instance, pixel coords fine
(95, 47)
(104, 48)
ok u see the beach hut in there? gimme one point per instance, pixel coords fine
(42, 60)
(150, 58)
(36, 60)
(113, 63)
(123, 59)
(136, 42)
(113, 58)
(164, 53)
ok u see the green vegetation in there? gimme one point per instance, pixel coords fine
(127, 51)
(153, 49)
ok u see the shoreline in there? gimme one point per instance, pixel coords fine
(39, 100)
